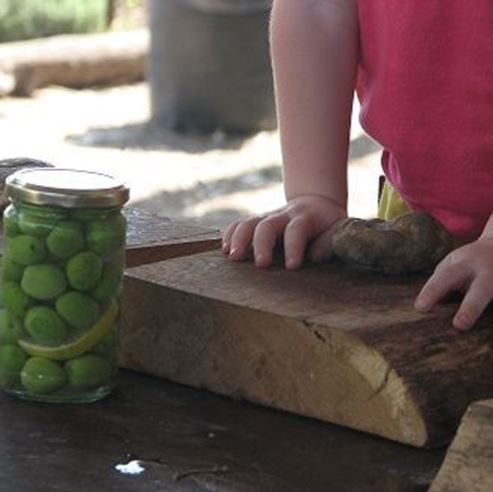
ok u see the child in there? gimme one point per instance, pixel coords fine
(423, 72)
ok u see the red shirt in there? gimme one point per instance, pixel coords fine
(425, 84)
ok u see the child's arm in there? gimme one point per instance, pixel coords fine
(315, 54)
(469, 268)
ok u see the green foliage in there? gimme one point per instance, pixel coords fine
(26, 19)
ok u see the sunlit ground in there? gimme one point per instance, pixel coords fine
(210, 179)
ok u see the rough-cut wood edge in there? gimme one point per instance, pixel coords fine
(73, 60)
(184, 340)
(468, 464)
(428, 371)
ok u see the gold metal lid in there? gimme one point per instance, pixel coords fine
(68, 188)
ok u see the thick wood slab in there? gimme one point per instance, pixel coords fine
(151, 238)
(74, 60)
(325, 342)
(190, 440)
(468, 466)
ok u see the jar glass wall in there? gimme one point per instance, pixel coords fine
(61, 281)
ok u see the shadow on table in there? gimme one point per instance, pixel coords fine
(147, 136)
(175, 203)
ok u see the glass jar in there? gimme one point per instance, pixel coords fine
(61, 281)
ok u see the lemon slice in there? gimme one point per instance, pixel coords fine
(101, 328)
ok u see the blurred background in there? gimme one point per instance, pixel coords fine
(173, 96)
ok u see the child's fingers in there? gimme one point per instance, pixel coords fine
(296, 236)
(266, 234)
(241, 239)
(447, 277)
(321, 249)
(227, 235)
(477, 298)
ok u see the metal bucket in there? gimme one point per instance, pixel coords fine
(209, 65)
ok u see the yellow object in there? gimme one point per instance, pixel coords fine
(101, 328)
(391, 205)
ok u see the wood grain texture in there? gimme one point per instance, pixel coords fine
(326, 342)
(468, 465)
(190, 440)
(75, 60)
(151, 238)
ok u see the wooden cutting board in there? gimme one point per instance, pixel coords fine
(327, 342)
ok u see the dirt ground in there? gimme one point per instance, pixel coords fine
(209, 179)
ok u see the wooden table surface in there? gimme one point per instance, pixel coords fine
(190, 440)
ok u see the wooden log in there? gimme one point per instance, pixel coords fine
(326, 342)
(74, 60)
(151, 238)
(468, 465)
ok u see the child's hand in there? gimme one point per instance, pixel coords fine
(304, 223)
(468, 268)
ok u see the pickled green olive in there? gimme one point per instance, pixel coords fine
(106, 236)
(12, 359)
(88, 371)
(45, 326)
(65, 240)
(91, 214)
(41, 376)
(15, 299)
(109, 285)
(26, 250)
(43, 282)
(77, 309)
(10, 328)
(10, 222)
(32, 224)
(11, 270)
(84, 270)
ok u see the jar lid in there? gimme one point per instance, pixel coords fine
(70, 188)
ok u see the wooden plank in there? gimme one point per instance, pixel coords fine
(189, 440)
(468, 465)
(73, 60)
(151, 238)
(326, 342)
